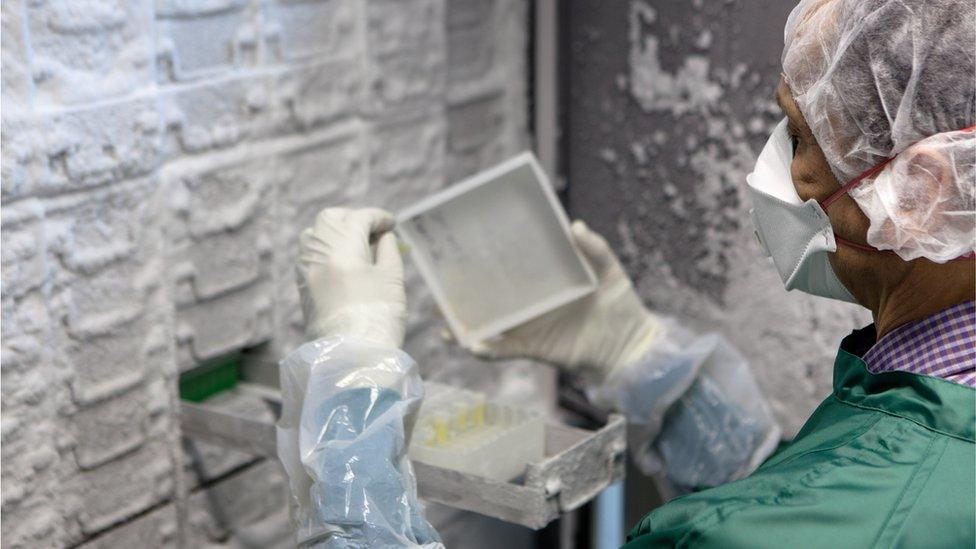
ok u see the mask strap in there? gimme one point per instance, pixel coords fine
(862, 247)
(871, 172)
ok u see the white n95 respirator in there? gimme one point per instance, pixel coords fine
(796, 234)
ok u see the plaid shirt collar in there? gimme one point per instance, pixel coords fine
(942, 345)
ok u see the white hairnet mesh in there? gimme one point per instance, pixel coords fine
(879, 78)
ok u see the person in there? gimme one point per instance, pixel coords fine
(863, 193)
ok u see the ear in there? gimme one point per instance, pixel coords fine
(929, 172)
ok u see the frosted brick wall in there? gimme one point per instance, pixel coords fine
(159, 159)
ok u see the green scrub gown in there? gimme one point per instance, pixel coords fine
(887, 460)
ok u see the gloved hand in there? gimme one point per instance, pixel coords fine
(350, 277)
(592, 336)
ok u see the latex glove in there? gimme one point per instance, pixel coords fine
(350, 277)
(593, 336)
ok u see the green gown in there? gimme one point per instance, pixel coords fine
(887, 460)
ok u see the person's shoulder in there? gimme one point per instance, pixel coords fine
(843, 487)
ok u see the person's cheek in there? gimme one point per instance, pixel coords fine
(804, 177)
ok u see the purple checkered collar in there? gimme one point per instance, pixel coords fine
(942, 345)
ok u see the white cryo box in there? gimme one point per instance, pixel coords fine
(496, 249)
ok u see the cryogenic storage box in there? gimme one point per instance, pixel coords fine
(495, 250)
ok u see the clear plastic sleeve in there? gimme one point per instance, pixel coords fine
(721, 429)
(347, 411)
(645, 390)
(697, 416)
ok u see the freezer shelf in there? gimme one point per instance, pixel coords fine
(578, 463)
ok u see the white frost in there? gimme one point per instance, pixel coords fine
(688, 89)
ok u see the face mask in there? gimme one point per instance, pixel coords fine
(796, 234)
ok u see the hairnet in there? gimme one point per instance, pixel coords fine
(879, 78)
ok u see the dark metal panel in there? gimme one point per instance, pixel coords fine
(631, 162)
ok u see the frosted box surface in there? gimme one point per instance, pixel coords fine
(496, 250)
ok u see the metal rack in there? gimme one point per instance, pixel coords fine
(578, 463)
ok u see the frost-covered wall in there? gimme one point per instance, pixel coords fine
(670, 101)
(159, 159)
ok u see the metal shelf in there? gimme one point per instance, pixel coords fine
(578, 464)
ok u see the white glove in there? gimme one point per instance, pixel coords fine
(592, 336)
(350, 277)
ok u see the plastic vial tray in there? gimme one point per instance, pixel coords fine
(495, 249)
(463, 431)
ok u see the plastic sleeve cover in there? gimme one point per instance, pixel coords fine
(721, 429)
(696, 414)
(347, 410)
